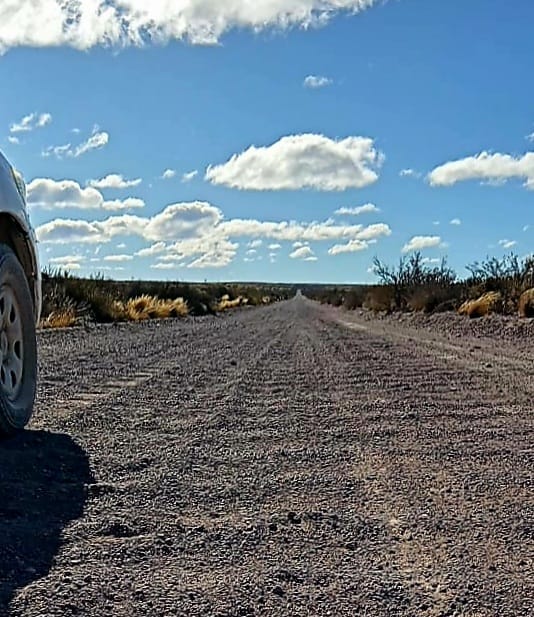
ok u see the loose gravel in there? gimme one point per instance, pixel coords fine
(290, 460)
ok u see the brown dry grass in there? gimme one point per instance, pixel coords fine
(490, 302)
(60, 319)
(526, 303)
(225, 303)
(151, 307)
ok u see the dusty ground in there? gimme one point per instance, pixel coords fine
(291, 460)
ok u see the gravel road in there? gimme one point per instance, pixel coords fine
(288, 460)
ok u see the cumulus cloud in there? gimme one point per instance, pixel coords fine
(191, 175)
(130, 203)
(86, 24)
(409, 173)
(69, 262)
(168, 174)
(507, 244)
(114, 181)
(365, 209)
(56, 194)
(307, 161)
(418, 243)
(455, 222)
(118, 258)
(198, 231)
(13, 140)
(31, 121)
(353, 246)
(155, 249)
(493, 168)
(361, 239)
(316, 81)
(305, 253)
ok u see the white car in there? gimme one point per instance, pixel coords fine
(20, 303)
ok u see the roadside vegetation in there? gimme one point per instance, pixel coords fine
(494, 285)
(69, 300)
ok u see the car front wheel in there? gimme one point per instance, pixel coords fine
(18, 346)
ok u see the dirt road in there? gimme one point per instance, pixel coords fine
(288, 460)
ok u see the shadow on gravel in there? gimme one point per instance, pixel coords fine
(43, 478)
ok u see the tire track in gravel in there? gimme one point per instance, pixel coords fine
(278, 463)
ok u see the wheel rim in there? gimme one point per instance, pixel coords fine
(11, 343)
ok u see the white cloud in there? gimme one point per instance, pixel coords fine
(316, 81)
(455, 222)
(118, 258)
(31, 121)
(526, 227)
(362, 239)
(198, 231)
(492, 168)
(95, 142)
(114, 181)
(155, 249)
(530, 137)
(431, 260)
(305, 161)
(89, 23)
(255, 244)
(353, 246)
(57, 194)
(304, 253)
(130, 203)
(164, 266)
(409, 173)
(58, 151)
(418, 243)
(365, 209)
(168, 174)
(507, 244)
(13, 140)
(189, 176)
(66, 260)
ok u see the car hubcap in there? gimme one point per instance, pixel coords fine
(11, 343)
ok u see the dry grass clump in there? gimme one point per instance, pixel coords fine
(65, 318)
(151, 307)
(225, 303)
(490, 302)
(526, 303)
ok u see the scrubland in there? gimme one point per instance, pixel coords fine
(504, 286)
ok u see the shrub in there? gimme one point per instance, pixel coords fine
(380, 298)
(411, 275)
(509, 276)
(354, 298)
(526, 303)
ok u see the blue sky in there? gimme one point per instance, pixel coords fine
(268, 119)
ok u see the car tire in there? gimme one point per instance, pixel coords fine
(18, 345)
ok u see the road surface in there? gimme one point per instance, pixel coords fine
(288, 460)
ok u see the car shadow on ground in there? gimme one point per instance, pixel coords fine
(43, 486)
